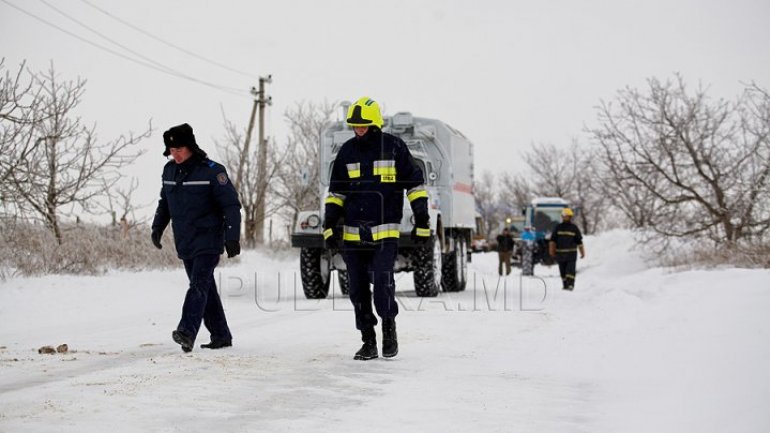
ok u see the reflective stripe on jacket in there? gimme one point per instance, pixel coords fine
(369, 178)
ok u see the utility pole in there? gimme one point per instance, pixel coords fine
(262, 101)
(245, 151)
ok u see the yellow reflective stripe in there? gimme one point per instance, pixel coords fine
(351, 237)
(570, 276)
(422, 232)
(417, 193)
(387, 171)
(354, 170)
(386, 234)
(334, 200)
(566, 233)
(350, 233)
(328, 233)
(568, 250)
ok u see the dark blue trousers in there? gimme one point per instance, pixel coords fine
(202, 300)
(375, 265)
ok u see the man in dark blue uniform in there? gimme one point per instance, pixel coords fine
(369, 177)
(202, 205)
(566, 240)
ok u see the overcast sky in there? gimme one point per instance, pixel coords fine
(505, 73)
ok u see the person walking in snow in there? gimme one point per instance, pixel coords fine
(202, 205)
(504, 251)
(369, 176)
(564, 245)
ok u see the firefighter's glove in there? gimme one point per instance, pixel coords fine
(156, 235)
(331, 240)
(233, 248)
(421, 230)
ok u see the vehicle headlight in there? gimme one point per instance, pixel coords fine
(313, 221)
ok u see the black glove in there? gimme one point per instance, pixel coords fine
(422, 222)
(332, 242)
(233, 248)
(156, 235)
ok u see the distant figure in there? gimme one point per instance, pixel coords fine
(504, 251)
(565, 242)
(202, 205)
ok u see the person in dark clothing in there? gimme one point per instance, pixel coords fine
(504, 251)
(369, 176)
(202, 205)
(564, 245)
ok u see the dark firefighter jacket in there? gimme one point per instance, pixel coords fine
(202, 205)
(368, 180)
(567, 237)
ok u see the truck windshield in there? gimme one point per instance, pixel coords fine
(547, 218)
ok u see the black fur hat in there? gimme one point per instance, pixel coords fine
(181, 136)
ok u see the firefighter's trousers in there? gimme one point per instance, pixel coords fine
(372, 264)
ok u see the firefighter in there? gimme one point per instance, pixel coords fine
(369, 177)
(564, 245)
(202, 205)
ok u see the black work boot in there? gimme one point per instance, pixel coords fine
(183, 340)
(217, 344)
(389, 339)
(369, 349)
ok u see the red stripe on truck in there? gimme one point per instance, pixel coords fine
(463, 187)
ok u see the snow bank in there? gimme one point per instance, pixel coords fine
(634, 349)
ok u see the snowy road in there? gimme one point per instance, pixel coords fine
(632, 349)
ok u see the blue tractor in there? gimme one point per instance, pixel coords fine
(540, 218)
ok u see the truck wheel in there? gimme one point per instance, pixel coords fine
(342, 278)
(528, 259)
(427, 269)
(455, 269)
(314, 269)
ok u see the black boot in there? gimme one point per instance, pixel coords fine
(389, 339)
(369, 349)
(183, 340)
(217, 344)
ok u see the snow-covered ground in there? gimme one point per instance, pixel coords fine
(632, 349)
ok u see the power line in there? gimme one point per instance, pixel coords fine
(168, 69)
(121, 55)
(157, 38)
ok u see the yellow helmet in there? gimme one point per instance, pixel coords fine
(365, 112)
(567, 212)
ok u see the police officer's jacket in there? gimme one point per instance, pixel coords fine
(202, 205)
(369, 177)
(567, 237)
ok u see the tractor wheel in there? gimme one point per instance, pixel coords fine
(528, 259)
(314, 270)
(455, 270)
(427, 272)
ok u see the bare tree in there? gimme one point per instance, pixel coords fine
(515, 192)
(250, 188)
(62, 165)
(487, 200)
(568, 173)
(704, 162)
(121, 204)
(20, 103)
(297, 181)
(552, 170)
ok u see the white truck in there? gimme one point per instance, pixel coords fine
(445, 156)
